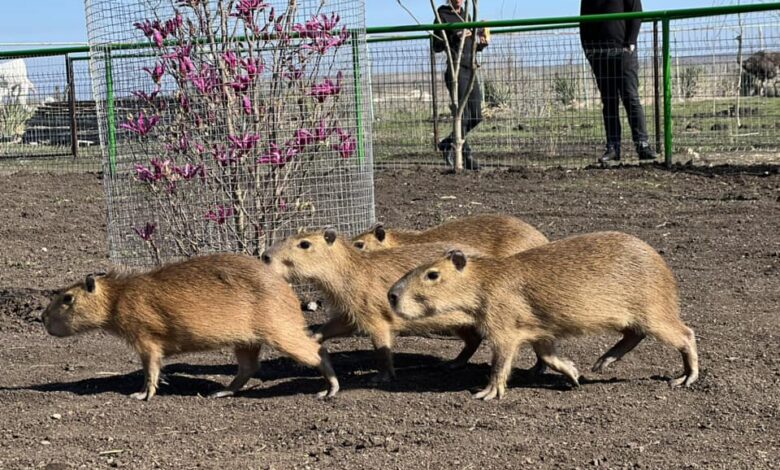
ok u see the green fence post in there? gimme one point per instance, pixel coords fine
(358, 95)
(667, 93)
(110, 114)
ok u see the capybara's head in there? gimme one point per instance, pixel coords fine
(438, 287)
(373, 239)
(76, 309)
(307, 256)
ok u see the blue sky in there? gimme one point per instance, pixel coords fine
(63, 20)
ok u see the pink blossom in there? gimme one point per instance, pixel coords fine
(141, 126)
(163, 169)
(275, 155)
(144, 174)
(205, 81)
(321, 133)
(190, 171)
(220, 215)
(146, 232)
(184, 102)
(245, 143)
(304, 137)
(294, 73)
(321, 91)
(230, 59)
(182, 57)
(247, 104)
(153, 30)
(224, 156)
(253, 67)
(140, 94)
(347, 145)
(241, 83)
(157, 72)
(282, 204)
(172, 25)
(246, 9)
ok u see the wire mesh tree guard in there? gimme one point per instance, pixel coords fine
(226, 124)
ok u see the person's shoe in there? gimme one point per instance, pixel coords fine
(612, 154)
(645, 152)
(447, 152)
(469, 163)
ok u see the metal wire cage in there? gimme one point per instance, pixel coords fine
(226, 125)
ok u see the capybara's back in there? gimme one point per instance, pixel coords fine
(494, 235)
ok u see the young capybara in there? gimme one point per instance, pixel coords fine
(355, 285)
(203, 303)
(586, 284)
(493, 235)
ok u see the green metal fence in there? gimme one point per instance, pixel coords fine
(709, 85)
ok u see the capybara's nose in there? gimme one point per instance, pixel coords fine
(392, 297)
(266, 258)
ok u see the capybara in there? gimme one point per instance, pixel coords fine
(203, 303)
(355, 285)
(492, 234)
(607, 281)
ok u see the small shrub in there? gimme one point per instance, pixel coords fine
(565, 89)
(689, 80)
(497, 94)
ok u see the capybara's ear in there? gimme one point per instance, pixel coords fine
(458, 258)
(379, 231)
(330, 235)
(90, 283)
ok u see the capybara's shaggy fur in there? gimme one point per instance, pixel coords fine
(492, 234)
(355, 285)
(586, 284)
(204, 303)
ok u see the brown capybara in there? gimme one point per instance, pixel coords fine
(203, 303)
(586, 284)
(493, 235)
(355, 285)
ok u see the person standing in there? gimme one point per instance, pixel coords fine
(610, 47)
(452, 12)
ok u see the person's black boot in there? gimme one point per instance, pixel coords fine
(469, 162)
(612, 154)
(447, 152)
(645, 152)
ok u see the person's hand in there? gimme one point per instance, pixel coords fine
(629, 49)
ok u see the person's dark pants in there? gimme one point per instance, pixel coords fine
(617, 76)
(472, 113)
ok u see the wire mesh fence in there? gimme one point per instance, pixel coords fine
(47, 116)
(542, 104)
(227, 125)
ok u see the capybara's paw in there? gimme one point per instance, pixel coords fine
(683, 380)
(222, 394)
(488, 393)
(539, 368)
(140, 395)
(602, 363)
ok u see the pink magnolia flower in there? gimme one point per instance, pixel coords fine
(206, 80)
(181, 58)
(153, 30)
(294, 73)
(347, 145)
(144, 174)
(282, 204)
(247, 104)
(148, 98)
(275, 155)
(321, 133)
(220, 215)
(157, 72)
(304, 137)
(224, 156)
(184, 102)
(246, 9)
(146, 232)
(241, 83)
(321, 91)
(163, 169)
(230, 59)
(173, 25)
(253, 67)
(190, 171)
(141, 126)
(244, 143)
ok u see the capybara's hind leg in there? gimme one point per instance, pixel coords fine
(503, 355)
(246, 356)
(151, 358)
(472, 340)
(307, 351)
(547, 352)
(382, 339)
(629, 341)
(335, 327)
(684, 340)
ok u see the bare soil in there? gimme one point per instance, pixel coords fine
(64, 402)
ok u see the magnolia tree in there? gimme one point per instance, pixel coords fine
(240, 98)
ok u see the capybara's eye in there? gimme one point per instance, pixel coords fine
(67, 299)
(360, 245)
(304, 245)
(432, 275)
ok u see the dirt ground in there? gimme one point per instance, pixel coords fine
(64, 402)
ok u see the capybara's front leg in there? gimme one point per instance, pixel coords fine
(504, 350)
(151, 358)
(472, 339)
(382, 338)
